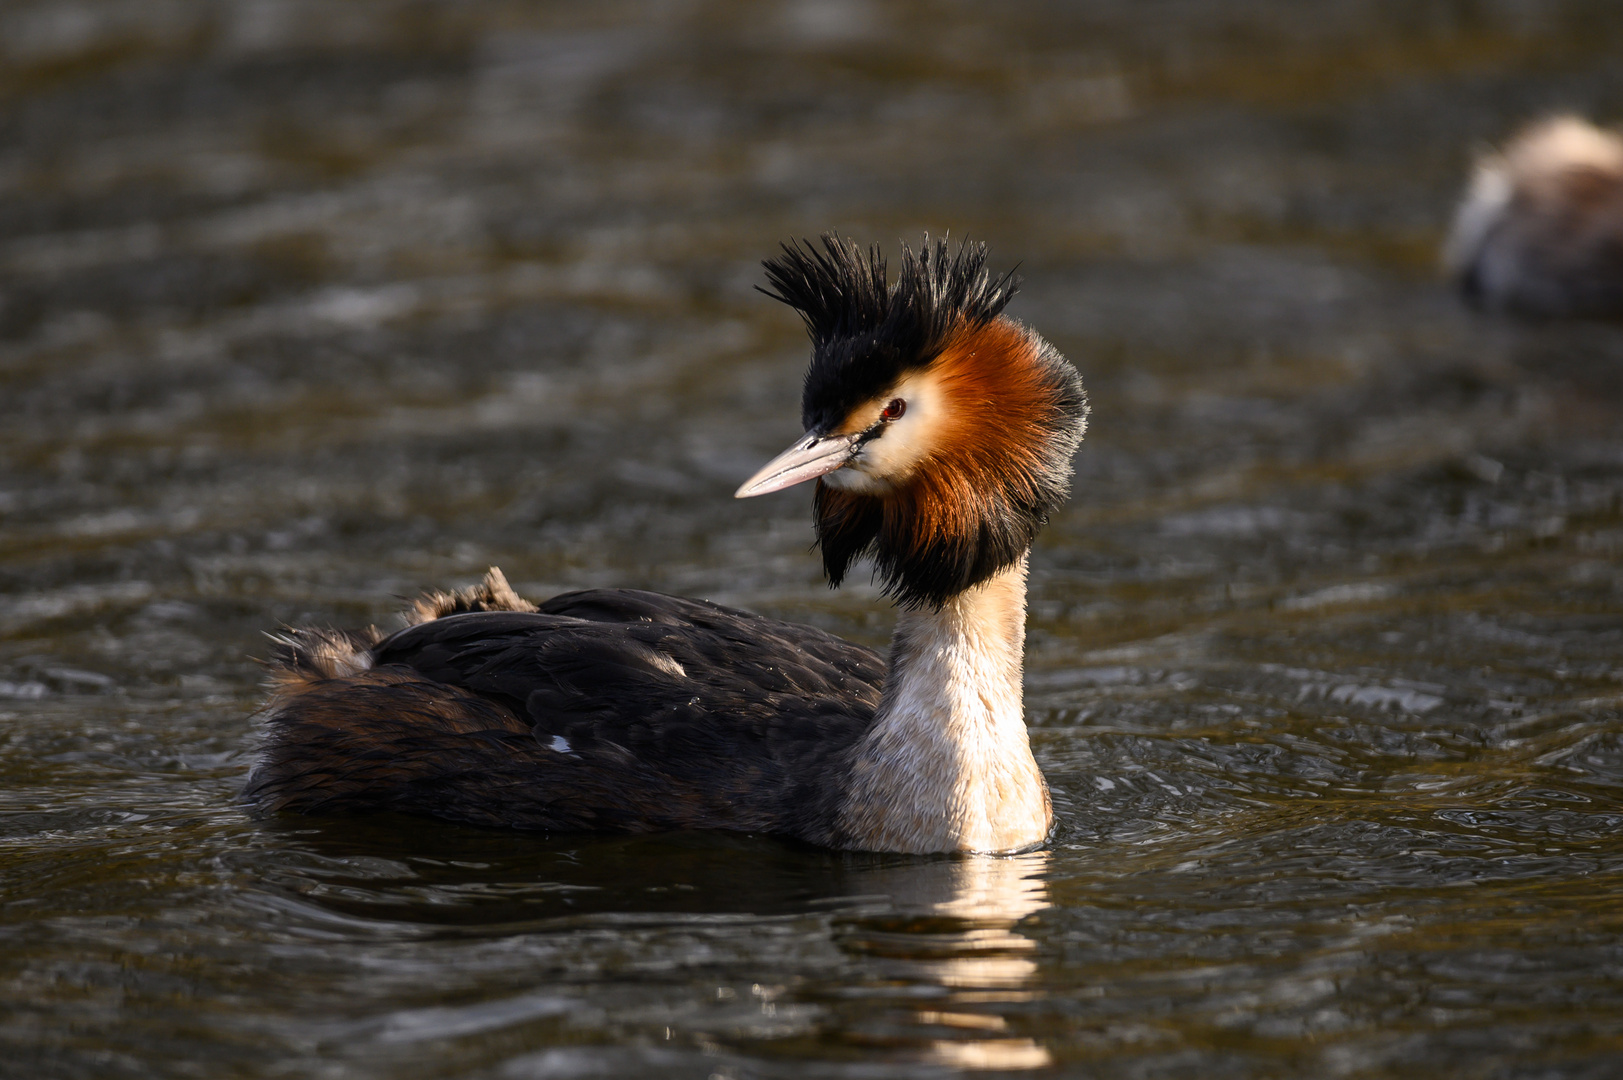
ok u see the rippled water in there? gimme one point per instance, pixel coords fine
(306, 307)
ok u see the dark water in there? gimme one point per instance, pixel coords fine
(305, 307)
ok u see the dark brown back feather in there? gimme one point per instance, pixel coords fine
(672, 714)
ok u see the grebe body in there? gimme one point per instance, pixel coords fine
(940, 434)
(1540, 230)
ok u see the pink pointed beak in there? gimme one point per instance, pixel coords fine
(811, 457)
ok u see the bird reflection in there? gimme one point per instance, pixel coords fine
(946, 960)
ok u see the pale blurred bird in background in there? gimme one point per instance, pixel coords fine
(1540, 230)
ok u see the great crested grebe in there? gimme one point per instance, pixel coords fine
(1540, 230)
(940, 433)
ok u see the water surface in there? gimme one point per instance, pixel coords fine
(307, 307)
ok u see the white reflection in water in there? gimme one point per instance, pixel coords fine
(951, 954)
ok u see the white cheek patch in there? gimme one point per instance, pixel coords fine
(905, 444)
(860, 483)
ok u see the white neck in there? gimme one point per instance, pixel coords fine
(947, 765)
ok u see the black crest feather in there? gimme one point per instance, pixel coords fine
(867, 332)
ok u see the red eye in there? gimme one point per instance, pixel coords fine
(894, 410)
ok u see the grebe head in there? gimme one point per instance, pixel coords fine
(939, 430)
(1539, 225)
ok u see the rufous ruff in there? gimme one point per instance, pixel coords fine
(940, 433)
